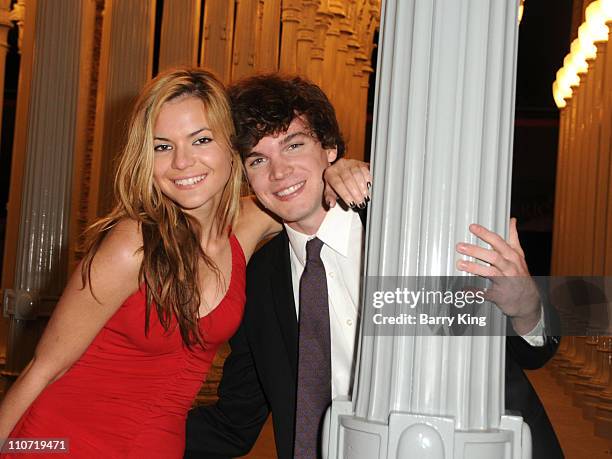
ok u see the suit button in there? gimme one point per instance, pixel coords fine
(349, 322)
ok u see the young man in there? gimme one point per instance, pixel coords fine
(287, 134)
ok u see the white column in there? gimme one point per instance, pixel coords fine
(442, 150)
(124, 70)
(7, 16)
(48, 149)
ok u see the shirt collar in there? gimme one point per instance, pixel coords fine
(334, 232)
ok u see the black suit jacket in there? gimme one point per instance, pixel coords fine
(260, 373)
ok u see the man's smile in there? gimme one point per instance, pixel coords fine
(287, 192)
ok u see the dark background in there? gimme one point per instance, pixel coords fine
(544, 38)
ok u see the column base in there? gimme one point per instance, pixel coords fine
(422, 436)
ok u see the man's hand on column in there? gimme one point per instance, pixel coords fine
(512, 288)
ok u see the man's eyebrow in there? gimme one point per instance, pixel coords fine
(188, 135)
(289, 137)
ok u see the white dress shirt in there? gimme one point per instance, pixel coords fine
(342, 254)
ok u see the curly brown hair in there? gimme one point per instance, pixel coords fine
(266, 104)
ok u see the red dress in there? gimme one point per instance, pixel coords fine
(128, 395)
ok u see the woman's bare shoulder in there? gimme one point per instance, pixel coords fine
(122, 245)
(254, 224)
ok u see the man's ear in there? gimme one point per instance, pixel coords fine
(332, 154)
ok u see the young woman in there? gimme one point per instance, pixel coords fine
(160, 288)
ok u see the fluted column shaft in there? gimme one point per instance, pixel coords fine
(330, 56)
(180, 33)
(568, 234)
(365, 70)
(269, 37)
(243, 63)
(443, 133)
(415, 123)
(589, 160)
(216, 52)
(601, 148)
(560, 189)
(583, 224)
(574, 259)
(322, 23)
(124, 70)
(341, 80)
(606, 141)
(306, 37)
(6, 18)
(290, 16)
(45, 136)
(579, 238)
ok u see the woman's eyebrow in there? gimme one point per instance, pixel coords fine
(200, 130)
(188, 135)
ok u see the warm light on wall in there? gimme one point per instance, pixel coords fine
(521, 9)
(593, 30)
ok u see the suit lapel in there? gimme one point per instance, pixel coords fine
(284, 304)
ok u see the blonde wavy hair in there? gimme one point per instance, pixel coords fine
(171, 238)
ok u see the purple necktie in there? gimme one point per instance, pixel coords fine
(314, 358)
